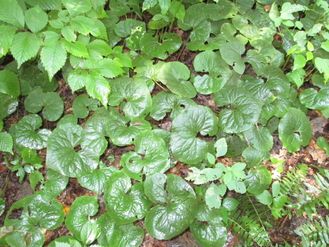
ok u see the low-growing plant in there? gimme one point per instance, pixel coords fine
(165, 116)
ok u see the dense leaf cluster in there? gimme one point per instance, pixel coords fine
(169, 83)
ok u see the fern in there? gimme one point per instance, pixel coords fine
(251, 223)
(314, 233)
(316, 195)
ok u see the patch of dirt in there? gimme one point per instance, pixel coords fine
(11, 189)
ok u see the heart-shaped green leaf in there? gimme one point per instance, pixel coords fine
(295, 130)
(185, 144)
(176, 208)
(126, 202)
(208, 228)
(113, 234)
(241, 110)
(175, 76)
(27, 133)
(51, 104)
(79, 215)
(62, 156)
(151, 156)
(122, 131)
(132, 94)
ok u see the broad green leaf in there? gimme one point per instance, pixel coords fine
(208, 61)
(164, 5)
(231, 52)
(76, 7)
(241, 110)
(9, 83)
(36, 19)
(25, 46)
(86, 25)
(38, 211)
(214, 194)
(46, 4)
(175, 76)
(6, 142)
(8, 105)
(6, 40)
(95, 180)
(299, 62)
(260, 138)
(80, 212)
(82, 104)
(126, 27)
(122, 131)
(132, 95)
(89, 232)
(126, 202)
(185, 144)
(97, 87)
(55, 183)
(27, 133)
(65, 241)
(164, 102)
(51, 104)
(205, 175)
(170, 218)
(53, 57)
(78, 49)
(12, 13)
(312, 99)
(113, 234)
(207, 84)
(258, 180)
(151, 156)
(221, 147)
(322, 65)
(208, 228)
(295, 130)
(147, 4)
(62, 156)
(265, 198)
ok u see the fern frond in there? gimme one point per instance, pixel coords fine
(314, 233)
(251, 221)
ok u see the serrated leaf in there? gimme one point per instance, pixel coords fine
(147, 4)
(53, 57)
(9, 83)
(184, 143)
(27, 134)
(36, 19)
(6, 142)
(12, 13)
(25, 46)
(6, 40)
(295, 130)
(258, 180)
(76, 7)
